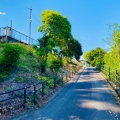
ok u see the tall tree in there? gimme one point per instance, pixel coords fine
(57, 39)
(55, 25)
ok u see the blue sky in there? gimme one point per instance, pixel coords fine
(89, 18)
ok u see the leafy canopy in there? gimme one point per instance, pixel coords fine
(55, 25)
(57, 41)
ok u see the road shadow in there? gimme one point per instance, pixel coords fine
(89, 98)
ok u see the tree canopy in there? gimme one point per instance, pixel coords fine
(55, 25)
(57, 41)
(110, 57)
(57, 37)
(95, 57)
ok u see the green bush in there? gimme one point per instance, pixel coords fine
(49, 81)
(56, 65)
(3, 76)
(10, 56)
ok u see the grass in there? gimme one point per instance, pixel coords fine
(27, 65)
(27, 69)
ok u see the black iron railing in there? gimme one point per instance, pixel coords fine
(33, 89)
(112, 75)
(26, 91)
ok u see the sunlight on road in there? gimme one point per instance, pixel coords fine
(74, 118)
(94, 89)
(92, 104)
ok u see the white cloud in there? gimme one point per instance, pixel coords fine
(2, 13)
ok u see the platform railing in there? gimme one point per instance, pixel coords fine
(18, 36)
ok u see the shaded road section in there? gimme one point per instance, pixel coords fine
(87, 98)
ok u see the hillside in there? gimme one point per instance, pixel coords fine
(26, 69)
(20, 68)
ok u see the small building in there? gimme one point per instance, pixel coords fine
(85, 63)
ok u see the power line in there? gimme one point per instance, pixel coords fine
(36, 18)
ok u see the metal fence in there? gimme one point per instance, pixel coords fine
(33, 89)
(16, 35)
(112, 75)
(26, 91)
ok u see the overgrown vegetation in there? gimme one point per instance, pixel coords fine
(57, 40)
(17, 59)
(51, 61)
(111, 57)
(55, 51)
(9, 58)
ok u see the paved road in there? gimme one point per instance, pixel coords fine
(88, 98)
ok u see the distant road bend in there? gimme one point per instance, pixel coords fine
(88, 98)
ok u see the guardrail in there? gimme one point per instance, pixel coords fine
(112, 75)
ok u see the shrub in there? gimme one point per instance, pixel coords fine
(49, 81)
(10, 56)
(21, 79)
(56, 65)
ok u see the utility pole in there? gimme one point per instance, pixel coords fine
(30, 24)
(11, 23)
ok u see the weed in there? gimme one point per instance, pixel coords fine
(5, 88)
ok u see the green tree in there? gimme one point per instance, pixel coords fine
(55, 25)
(112, 58)
(72, 49)
(46, 45)
(116, 46)
(57, 38)
(95, 57)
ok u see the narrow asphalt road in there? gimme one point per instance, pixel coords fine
(87, 98)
